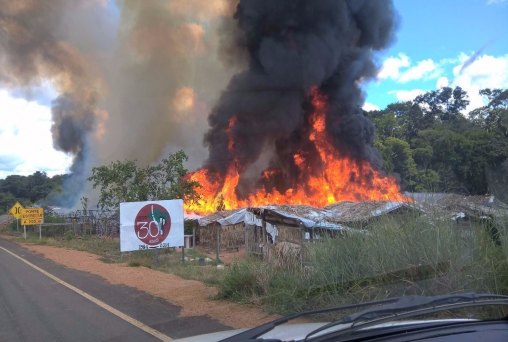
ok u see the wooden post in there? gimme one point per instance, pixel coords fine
(40, 232)
(263, 231)
(217, 238)
(24, 230)
(302, 243)
(246, 234)
(156, 256)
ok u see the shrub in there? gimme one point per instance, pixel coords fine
(240, 282)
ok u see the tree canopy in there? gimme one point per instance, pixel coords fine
(125, 181)
(27, 190)
(432, 145)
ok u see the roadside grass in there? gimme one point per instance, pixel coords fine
(108, 249)
(410, 254)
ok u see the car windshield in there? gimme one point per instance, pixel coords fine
(244, 160)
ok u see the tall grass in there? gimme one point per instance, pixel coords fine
(397, 255)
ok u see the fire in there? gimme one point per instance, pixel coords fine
(338, 177)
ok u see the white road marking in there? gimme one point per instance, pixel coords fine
(110, 309)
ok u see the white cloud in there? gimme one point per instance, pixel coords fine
(401, 70)
(26, 144)
(392, 65)
(442, 82)
(426, 69)
(406, 95)
(484, 72)
(370, 107)
(495, 2)
(471, 73)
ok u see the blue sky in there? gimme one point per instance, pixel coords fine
(437, 36)
(435, 39)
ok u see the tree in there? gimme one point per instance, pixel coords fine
(444, 104)
(167, 179)
(451, 151)
(494, 116)
(7, 200)
(399, 159)
(27, 190)
(127, 182)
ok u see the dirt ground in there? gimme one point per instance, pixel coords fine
(194, 297)
(226, 257)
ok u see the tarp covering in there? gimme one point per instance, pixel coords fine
(224, 218)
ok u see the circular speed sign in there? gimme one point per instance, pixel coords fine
(152, 224)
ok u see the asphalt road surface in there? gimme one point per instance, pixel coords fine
(34, 307)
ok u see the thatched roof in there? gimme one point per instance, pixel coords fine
(349, 212)
(336, 216)
(298, 215)
(343, 214)
(455, 205)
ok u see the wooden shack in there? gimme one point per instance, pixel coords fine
(467, 212)
(225, 226)
(279, 233)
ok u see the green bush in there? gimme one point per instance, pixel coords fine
(240, 282)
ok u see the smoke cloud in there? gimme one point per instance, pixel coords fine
(291, 46)
(32, 52)
(135, 78)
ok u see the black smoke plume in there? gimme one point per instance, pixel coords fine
(291, 46)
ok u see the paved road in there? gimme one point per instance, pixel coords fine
(34, 307)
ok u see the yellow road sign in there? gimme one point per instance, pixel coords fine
(16, 210)
(31, 216)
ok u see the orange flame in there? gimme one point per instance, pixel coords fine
(339, 178)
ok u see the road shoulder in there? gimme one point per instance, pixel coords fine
(191, 298)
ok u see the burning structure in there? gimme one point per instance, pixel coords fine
(289, 128)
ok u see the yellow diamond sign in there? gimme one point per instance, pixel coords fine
(16, 210)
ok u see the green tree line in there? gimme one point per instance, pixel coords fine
(27, 190)
(433, 146)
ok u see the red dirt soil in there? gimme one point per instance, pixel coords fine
(194, 297)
